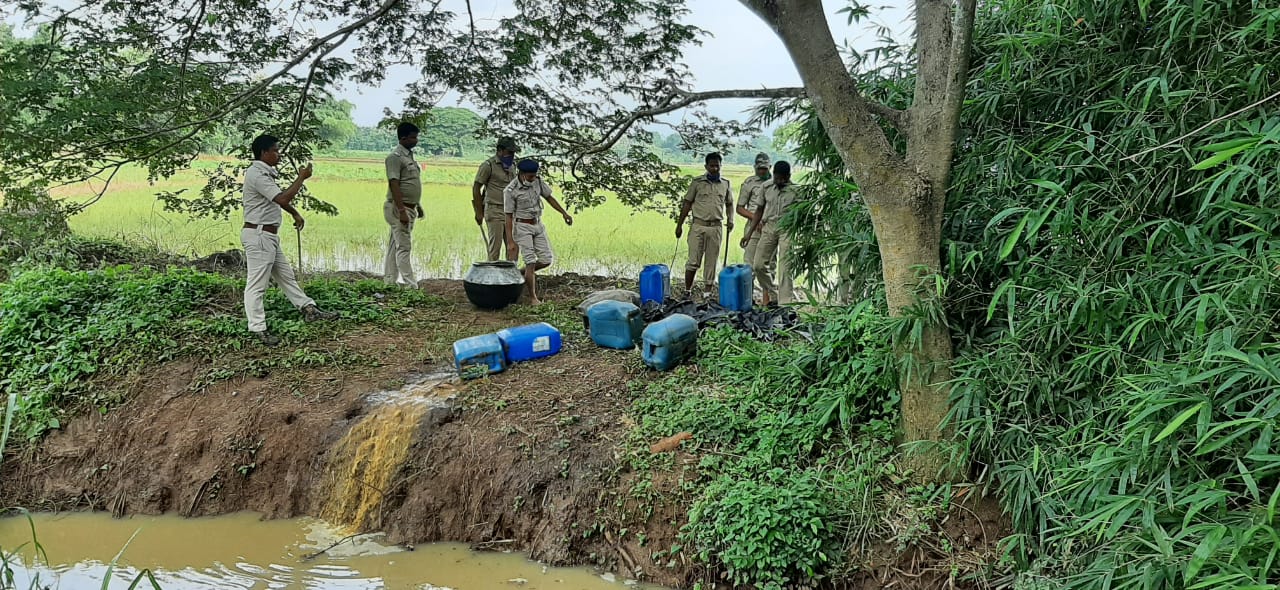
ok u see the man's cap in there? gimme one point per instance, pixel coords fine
(762, 160)
(507, 143)
(527, 166)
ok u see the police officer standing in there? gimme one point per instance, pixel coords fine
(774, 244)
(522, 207)
(492, 179)
(403, 206)
(749, 195)
(710, 199)
(263, 200)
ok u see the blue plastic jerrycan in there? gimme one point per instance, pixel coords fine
(735, 287)
(478, 356)
(615, 324)
(531, 341)
(655, 283)
(668, 342)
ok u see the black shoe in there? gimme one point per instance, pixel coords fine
(312, 313)
(267, 339)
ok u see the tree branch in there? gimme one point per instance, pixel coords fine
(254, 90)
(897, 118)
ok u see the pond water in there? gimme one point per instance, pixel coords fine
(241, 551)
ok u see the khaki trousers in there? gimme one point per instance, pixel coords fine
(265, 260)
(398, 262)
(704, 250)
(495, 230)
(774, 245)
(535, 248)
(749, 256)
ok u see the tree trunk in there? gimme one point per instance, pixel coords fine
(905, 194)
(908, 229)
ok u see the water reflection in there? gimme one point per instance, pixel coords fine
(243, 552)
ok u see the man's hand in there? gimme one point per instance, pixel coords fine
(745, 240)
(298, 221)
(679, 230)
(729, 226)
(512, 250)
(421, 213)
(404, 216)
(304, 172)
(479, 218)
(568, 219)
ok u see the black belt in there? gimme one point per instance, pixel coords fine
(271, 229)
(706, 223)
(529, 221)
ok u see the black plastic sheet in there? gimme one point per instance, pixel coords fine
(762, 323)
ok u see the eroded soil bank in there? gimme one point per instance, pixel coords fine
(525, 460)
(531, 460)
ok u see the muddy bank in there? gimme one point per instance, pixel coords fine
(526, 460)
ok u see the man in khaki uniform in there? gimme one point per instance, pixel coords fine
(522, 207)
(778, 196)
(749, 195)
(403, 206)
(492, 179)
(264, 260)
(710, 199)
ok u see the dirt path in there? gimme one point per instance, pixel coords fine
(525, 460)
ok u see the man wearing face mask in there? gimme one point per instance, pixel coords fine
(710, 199)
(774, 244)
(522, 206)
(492, 179)
(749, 195)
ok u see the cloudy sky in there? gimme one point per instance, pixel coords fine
(741, 53)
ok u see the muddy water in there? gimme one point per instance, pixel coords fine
(241, 551)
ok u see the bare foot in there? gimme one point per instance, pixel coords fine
(535, 301)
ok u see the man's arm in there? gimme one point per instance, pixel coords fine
(288, 194)
(744, 197)
(397, 199)
(751, 230)
(568, 219)
(477, 190)
(509, 208)
(477, 201)
(728, 206)
(393, 185)
(685, 208)
(285, 198)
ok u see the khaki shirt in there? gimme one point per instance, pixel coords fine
(776, 201)
(709, 198)
(260, 191)
(751, 191)
(493, 180)
(401, 166)
(524, 201)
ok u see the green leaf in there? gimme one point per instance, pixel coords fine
(1012, 239)
(1220, 157)
(1202, 553)
(1050, 185)
(1183, 417)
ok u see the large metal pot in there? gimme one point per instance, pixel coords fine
(493, 285)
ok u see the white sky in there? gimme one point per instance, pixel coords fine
(741, 53)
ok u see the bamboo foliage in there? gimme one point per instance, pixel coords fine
(1111, 266)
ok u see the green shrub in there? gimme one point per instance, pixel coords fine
(769, 531)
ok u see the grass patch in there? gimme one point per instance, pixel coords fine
(61, 328)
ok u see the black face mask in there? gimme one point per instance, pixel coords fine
(713, 177)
